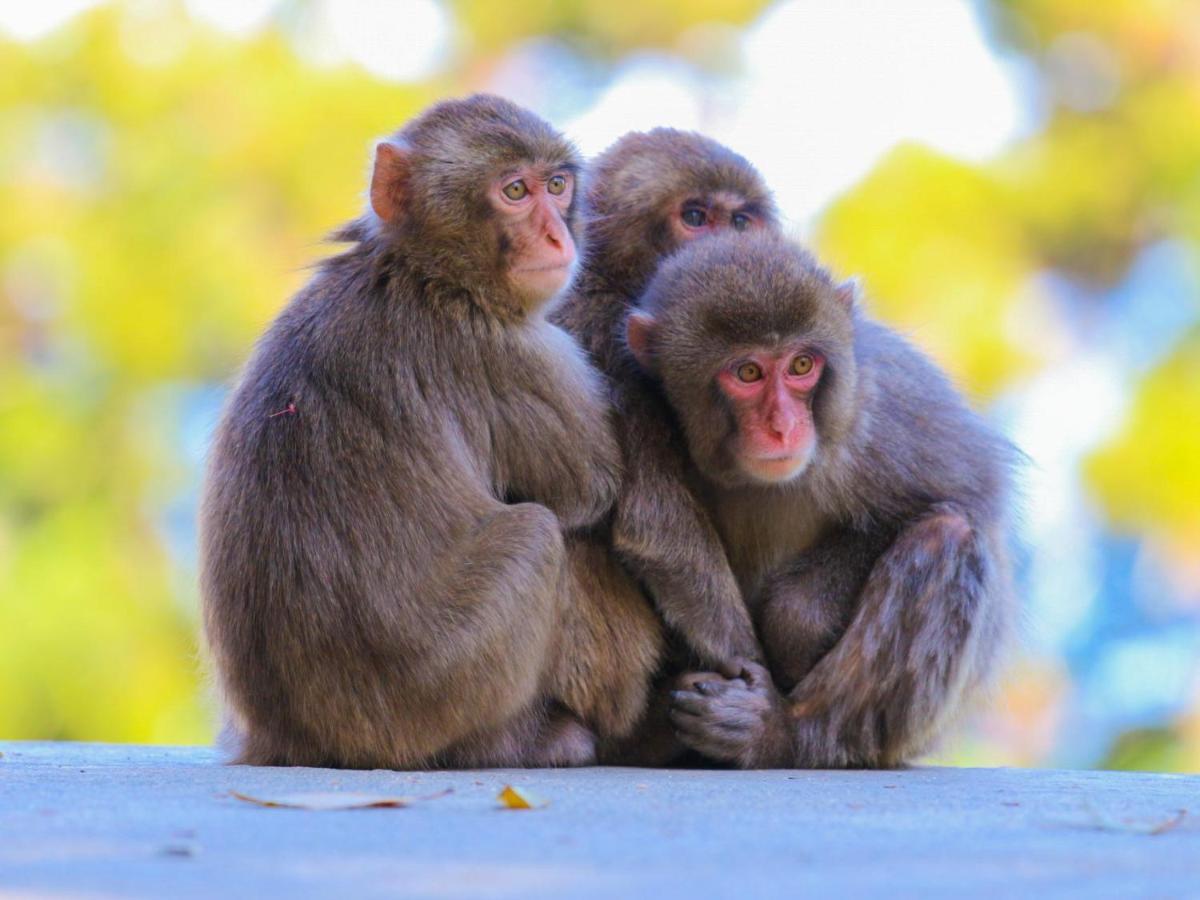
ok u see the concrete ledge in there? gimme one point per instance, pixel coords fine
(102, 820)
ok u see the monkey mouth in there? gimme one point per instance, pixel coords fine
(775, 468)
(557, 267)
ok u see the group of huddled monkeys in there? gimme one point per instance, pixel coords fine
(481, 501)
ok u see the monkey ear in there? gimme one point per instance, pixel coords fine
(389, 180)
(849, 292)
(639, 335)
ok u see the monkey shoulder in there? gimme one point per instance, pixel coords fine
(918, 439)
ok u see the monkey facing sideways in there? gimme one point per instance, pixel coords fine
(648, 195)
(396, 564)
(863, 508)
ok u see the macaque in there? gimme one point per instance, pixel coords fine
(862, 506)
(648, 195)
(397, 563)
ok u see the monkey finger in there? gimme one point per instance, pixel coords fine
(686, 701)
(712, 744)
(754, 674)
(688, 727)
(704, 721)
(689, 680)
(731, 669)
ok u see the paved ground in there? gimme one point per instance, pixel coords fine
(88, 820)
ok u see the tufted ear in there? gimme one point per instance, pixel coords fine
(389, 180)
(849, 292)
(639, 335)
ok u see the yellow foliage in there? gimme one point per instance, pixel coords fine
(605, 26)
(940, 249)
(1149, 477)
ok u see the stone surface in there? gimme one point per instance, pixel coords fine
(87, 820)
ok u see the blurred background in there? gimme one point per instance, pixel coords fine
(1017, 182)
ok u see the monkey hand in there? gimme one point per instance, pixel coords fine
(742, 720)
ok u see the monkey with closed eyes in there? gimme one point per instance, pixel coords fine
(648, 195)
(863, 509)
(397, 568)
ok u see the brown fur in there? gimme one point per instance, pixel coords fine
(879, 577)
(385, 574)
(634, 193)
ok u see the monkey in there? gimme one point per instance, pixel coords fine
(396, 564)
(864, 509)
(648, 195)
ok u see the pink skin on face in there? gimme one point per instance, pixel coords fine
(772, 404)
(542, 248)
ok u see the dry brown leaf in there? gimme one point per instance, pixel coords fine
(1167, 824)
(519, 798)
(1100, 820)
(330, 800)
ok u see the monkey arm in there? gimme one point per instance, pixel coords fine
(668, 540)
(552, 435)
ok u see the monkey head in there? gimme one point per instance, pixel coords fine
(753, 345)
(479, 194)
(653, 192)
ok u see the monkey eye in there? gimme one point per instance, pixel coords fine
(740, 221)
(694, 218)
(516, 190)
(749, 372)
(802, 364)
(557, 184)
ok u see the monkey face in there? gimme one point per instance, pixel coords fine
(531, 205)
(653, 192)
(479, 194)
(770, 394)
(753, 345)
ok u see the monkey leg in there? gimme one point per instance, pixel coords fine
(653, 741)
(543, 735)
(409, 678)
(609, 641)
(597, 685)
(930, 620)
(803, 610)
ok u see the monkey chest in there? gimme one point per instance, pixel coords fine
(763, 535)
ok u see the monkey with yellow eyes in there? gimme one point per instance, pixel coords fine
(863, 509)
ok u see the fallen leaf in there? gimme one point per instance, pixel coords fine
(1099, 820)
(518, 798)
(330, 800)
(1168, 824)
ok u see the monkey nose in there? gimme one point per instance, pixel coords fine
(783, 425)
(562, 243)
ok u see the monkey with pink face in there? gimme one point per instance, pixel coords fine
(862, 508)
